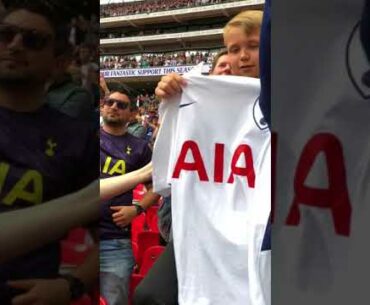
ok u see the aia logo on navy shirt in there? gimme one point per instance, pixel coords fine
(358, 67)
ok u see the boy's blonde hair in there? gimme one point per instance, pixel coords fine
(249, 21)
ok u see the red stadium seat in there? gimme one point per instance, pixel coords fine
(77, 235)
(138, 225)
(135, 250)
(145, 241)
(134, 282)
(138, 192)
(73, 254)
(75, 247)
(150, 256)
(102, 301)
(152, 218)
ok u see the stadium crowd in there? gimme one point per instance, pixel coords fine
(122, 9)
(112, 34)
(157, 60)
(82, 64)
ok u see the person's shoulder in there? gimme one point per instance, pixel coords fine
(133, 126)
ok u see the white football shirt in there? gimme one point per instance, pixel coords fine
(213, 153)
(321, 118)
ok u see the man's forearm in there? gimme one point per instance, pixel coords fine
(27, 229)
(111, 187)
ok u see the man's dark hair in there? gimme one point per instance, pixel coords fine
(56, 15)
(123, 89)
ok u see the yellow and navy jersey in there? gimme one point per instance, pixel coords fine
(119, 155)
(43, 155)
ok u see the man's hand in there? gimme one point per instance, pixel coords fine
(123, 215)
(170, 85)
(42, 292)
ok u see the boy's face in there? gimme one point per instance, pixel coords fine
(243, 52)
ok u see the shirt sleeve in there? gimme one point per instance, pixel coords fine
(163, 146)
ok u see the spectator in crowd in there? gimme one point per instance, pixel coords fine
(157, 60)
(47, 154)
(152, 125)
(120, 9)
(120, 153)
(134, 32)
(84, 60)
(135, 127)
(83, 36)
(68, 97)
(221, 64)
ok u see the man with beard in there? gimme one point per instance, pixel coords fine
(120, 153)
(41, 157)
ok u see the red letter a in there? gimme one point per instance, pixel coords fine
(336, 196)
(197, 165)
(248, 170)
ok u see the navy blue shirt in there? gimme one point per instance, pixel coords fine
(119, 155)
(265, 63)
(365, 29)
(265, 95)
(43, 155)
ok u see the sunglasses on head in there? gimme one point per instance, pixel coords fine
(120, 105)
(31, 39)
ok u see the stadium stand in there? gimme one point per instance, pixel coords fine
(157, 60)
(139, 7)
(166, 35)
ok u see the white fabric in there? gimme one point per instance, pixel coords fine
(313, 93)
(218, 227)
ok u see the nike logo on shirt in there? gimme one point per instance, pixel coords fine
(188, 104)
